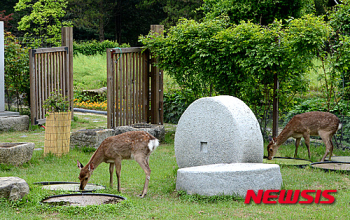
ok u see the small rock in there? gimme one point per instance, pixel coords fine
(13, 188)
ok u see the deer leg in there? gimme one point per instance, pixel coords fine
(118, 167)
(143, 162)
(326, 138)
(332, 147)
(307, 143)
(111, 170)
(297, 142)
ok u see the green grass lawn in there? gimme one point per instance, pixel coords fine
(162, 200)
(89, 72)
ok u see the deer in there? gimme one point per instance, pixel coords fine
(323, 124)
(136, 145)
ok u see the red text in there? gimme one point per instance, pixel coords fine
(290, 196)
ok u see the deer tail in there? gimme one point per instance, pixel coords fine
(153, 144)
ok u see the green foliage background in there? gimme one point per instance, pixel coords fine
(94, 47)
(16, 71)
(44, 19)
(217, 57)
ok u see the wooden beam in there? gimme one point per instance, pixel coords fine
(67, 40)
(156, 85)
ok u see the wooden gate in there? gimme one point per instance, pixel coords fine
(134, 88)
(51, 69)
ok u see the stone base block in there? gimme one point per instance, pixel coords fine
(89, 137)
(229, 179)
(13, 188)
(14, 122)
(158, 131)
(16, 153)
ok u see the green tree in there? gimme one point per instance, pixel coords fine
(176, 9)
(44, 20)
(260, 12)
(214, 57)
(336, 57)
(16, 71)
(92, 14)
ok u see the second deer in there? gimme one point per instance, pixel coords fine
(136, 145)
(321, 124)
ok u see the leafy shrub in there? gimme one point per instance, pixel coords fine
(94, 47)
(317, 104)
(175, 103)
(83, 96)
(56, 102)
(16, 71)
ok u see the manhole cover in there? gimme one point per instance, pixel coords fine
(289, 161)
(69, 186)
(340, 159)
(332, 166)
(83, 199)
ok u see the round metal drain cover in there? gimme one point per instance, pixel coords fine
(332, 166)
(69, 186)
(340, 159)
(83, 199)
(288, 161)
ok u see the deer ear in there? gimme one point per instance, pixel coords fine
(91, 167)
(274, 140)
(80, 166)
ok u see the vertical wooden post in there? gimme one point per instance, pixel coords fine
(156, 85)
(67, 41)
(33, 104)
(111, 90)
(275, 106)
(145, 86)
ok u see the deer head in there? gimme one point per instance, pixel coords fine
(272, 149)
(85, 174)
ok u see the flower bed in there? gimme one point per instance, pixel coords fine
(91, 105)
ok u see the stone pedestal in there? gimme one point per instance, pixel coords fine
(229, 179)
(219, 150)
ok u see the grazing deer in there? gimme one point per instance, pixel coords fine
(322, 124)
(136, 145)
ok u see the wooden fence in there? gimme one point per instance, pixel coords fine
(134, 90)
(51, 69)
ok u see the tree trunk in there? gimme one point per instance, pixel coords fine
(101, 30)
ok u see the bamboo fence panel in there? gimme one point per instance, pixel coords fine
(57, 133)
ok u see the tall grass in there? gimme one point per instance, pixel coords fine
(90, 72)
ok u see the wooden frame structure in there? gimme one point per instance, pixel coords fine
(51, 69)
(134, 88)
